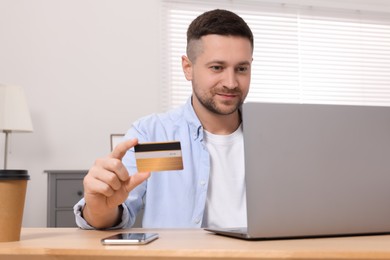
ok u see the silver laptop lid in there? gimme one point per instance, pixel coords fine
(314, 170)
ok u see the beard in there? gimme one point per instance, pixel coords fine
(220, 107)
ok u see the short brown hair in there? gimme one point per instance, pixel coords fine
(220, 22)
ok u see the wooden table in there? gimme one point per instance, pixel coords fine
(73, 243)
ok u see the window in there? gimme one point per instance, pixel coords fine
(302, 54)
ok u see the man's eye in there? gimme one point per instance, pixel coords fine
(242, 69)
(216, 68)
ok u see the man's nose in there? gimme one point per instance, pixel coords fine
(230, 79)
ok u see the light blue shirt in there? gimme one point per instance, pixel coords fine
(173, 199)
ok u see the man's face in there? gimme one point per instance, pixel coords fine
(221, 73)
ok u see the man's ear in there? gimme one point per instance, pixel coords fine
(187, 67)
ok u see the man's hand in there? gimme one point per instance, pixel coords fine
(107, 185)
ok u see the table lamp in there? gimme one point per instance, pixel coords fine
(14, 114)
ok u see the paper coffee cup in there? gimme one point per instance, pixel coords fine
(13, 185)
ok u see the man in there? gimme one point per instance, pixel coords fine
(210, 190)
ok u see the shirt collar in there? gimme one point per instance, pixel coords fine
(193, 120)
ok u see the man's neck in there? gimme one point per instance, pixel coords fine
(216, 123)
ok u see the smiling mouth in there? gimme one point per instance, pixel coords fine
(227, 95)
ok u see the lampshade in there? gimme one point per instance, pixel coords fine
(14, 113)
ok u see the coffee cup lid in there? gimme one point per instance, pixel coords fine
(14, 175)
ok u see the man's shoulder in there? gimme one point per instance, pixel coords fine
(170, 125)
(171, 117)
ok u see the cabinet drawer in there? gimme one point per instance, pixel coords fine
(69, 191)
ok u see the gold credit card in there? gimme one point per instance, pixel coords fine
(159, 156)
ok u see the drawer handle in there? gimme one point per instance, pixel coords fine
(80, 193)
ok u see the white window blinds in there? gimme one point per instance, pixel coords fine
(302, 54)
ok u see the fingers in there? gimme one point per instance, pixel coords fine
(121, 149)
(109, 180)
(98, 191)
(96, 186)
(136, 180)
(110, 165)
(105, 176)
(108, 190)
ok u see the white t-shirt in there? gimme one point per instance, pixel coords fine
(226, 197)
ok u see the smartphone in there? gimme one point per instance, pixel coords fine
(129, 239)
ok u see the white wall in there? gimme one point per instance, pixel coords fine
(89, 68)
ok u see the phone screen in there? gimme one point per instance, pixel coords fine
(129, 239)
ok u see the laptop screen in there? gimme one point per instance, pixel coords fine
(314, 170)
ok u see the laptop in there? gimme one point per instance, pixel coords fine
(315, 171)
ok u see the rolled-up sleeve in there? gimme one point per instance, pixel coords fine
(83, 224)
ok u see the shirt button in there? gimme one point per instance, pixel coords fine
(202, 183)
(197, 221)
